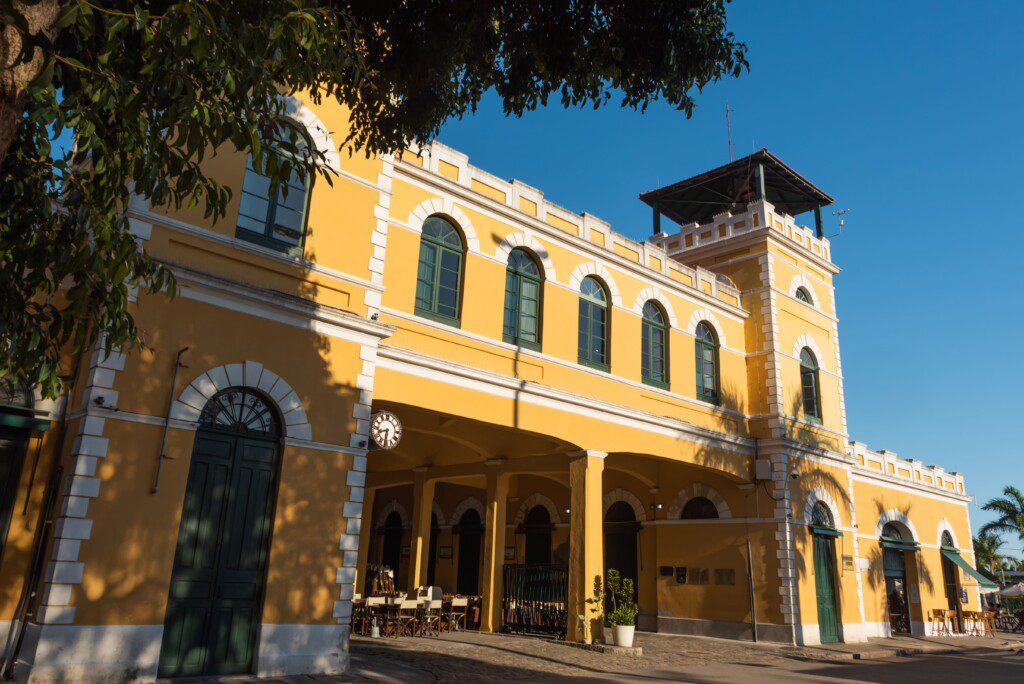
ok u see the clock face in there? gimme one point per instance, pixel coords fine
(386, 429)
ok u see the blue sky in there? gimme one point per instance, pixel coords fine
(909, 114)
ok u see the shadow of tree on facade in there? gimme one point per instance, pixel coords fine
(235, 306)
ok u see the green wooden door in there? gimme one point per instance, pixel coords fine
(824, 580)
(220, 564)
(12, 454)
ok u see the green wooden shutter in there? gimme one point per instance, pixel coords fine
(194, 577)
(529, 312)
(220, 564)
(510, 327)
(824, 580)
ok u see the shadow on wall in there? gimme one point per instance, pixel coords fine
(127, 581)
(813, 476)
(917, 571)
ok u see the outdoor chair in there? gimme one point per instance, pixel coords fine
(360, 618)
(431, 623)
(457, 614)
(409, 623)
(988, 622)
(940, 627)
(971, 623)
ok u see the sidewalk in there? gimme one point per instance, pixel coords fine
(876, 648)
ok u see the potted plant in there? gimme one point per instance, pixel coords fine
(622, 617)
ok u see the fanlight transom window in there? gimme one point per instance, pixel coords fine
(699, 508)
(822, 516)
(240, 409)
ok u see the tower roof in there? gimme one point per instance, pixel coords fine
(732, 185)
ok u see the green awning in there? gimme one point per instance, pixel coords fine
(900, 544)
(22, 421)
(983, 581)
(825, 531)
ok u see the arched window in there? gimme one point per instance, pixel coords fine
(892, 531)
(706, 347)
(439, 280)
(947, 540)
(240, 409)
(809, 385)
(522, 300)
(804, 296)
(821, 516)
(699, 508)
(654, 346)
(593, 337)
(274, 217)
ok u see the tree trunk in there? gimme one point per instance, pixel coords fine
(40, 17)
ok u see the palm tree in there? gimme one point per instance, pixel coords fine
(1015, 564)
(1010, 508)
(986, 551)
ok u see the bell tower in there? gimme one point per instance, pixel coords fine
(738, 221)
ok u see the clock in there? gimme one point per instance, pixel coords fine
(385, 429)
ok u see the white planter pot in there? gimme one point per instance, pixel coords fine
(623, 635)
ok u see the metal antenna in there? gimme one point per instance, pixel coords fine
(728, 125)
(839, 213)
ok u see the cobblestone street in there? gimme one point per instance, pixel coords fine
(471, 657)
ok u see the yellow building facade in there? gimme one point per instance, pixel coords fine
(571, 399)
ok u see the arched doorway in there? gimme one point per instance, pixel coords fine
(470, 530)
(823, 532)
(950, 576)
(621, 529)
(435, 531)
(391, 543)
(537, 527)
(220, 564)
(894, 567)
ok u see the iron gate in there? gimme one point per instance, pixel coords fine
(535, 599)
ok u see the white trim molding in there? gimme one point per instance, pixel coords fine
(620, 494)
(305, 117)
(537, 499)
(531, 244)
(592, 268)
(805, 340)
(708, 317)
(945, 526)
(393, 507)
(649, 293)
(897, 516)
(695, 490)
(446, 206)
(468, 503)
(190, 403)
(820, 494)
(800, 280)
